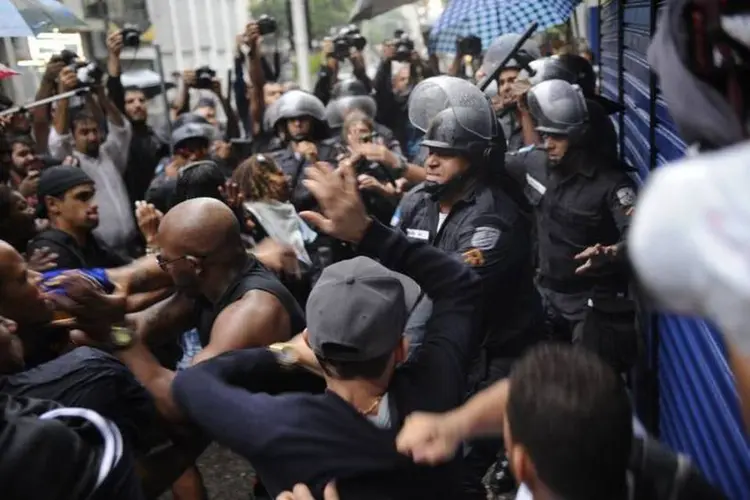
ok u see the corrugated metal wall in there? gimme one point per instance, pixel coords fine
(697, 403)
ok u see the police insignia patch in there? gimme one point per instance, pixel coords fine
(473, 257)
(626, 196)
(485, 238)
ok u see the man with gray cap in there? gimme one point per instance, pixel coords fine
(356, 315)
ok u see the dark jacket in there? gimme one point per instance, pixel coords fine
(486, 231)
(313, 439)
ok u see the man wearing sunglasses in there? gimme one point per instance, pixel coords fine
(232, 299)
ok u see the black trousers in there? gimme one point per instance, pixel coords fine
(480, 454)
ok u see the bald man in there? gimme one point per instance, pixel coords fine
(232, 299)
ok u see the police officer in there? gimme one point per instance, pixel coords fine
(191, 141)
(501, 90)
(582, 201)
(349, 95)
(460, 210)
(298, 119)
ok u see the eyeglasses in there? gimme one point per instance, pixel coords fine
(163, 263)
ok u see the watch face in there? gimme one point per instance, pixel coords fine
(121, 337)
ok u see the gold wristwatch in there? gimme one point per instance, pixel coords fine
(121, 337)
(286, 354)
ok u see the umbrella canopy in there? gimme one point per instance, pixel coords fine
(367, 9)
(31, 17)
(6, 72)
(489, 19)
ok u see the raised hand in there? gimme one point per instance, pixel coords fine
(148, 219)
(344, 216)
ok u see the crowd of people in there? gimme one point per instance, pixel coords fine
(398, 287)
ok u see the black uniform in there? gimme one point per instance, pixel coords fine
(485, 230)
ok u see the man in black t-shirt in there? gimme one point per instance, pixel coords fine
(66, 198)
(233, 300)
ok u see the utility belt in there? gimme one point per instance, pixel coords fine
(609, 329)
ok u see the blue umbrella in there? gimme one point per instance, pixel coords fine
(31, 17)
(489, 19)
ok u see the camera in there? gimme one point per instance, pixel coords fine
(131, 36)
(267, 25)
(87, 73)
(469, 46)
(404, 46)
(348, 38)
(204, 77)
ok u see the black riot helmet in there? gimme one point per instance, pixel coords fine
(349, 95)
(457, 118)
(574, 69)
(349, 87)
(301, 104)
(558, 108)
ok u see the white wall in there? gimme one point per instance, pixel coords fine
(194, 33)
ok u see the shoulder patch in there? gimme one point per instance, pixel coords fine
(396, 219)
(626, 196)
(473, 257)
(485, 238)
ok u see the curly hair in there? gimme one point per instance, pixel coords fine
(260, 179)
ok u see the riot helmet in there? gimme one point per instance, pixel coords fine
(338, 109)
(300, 104)
(573, 69)
(501, 47)
(456, 118)
(348, 88)
(558, 108)
(196, 133)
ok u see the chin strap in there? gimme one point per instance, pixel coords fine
(439, 191)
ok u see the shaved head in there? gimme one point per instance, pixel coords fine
(199, 226)
(200, 245)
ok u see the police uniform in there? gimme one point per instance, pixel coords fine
(587, 199)
(483, 227)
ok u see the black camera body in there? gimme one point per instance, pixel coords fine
(131, 36)
(87, 73)
(404, 46)
(267, 25)
(204, 77)
(348, 38)
(469, 46)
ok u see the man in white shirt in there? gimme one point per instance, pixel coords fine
(104, 160)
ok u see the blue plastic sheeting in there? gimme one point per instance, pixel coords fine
(668, 144)
(698, 408)
(593, 31)
(700, 413)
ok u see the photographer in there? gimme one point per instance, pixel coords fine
(260, 76)
(347, 45)
(262, 92)
(103, 160)
(204, 78)
(146, 149)
(392, 91)
(468, 56)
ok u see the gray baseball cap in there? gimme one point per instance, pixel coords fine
(358, 310)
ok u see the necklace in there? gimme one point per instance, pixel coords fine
(372, 407)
